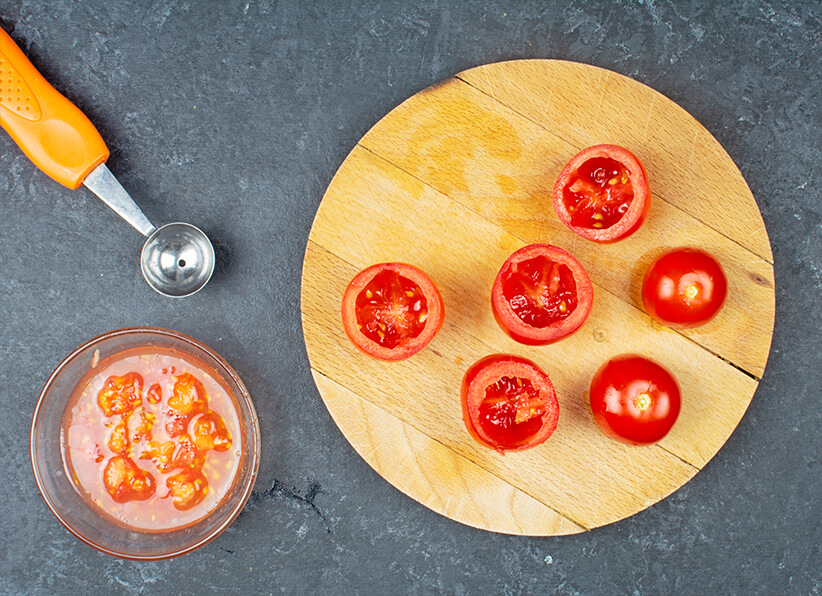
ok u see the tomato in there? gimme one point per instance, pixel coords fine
(144, 422)
(155, 394)
(602, 193)
(508, 403)
(635, 400)
(684, 288)
(541, 294)
(187, 400)
(392, 310)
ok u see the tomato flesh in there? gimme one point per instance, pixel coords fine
(391, 309)
(634, 399)
(599, 193)
(541, 294)
(602, 193)
(540, 291)
(508, 403)
(187, 488)
(125, 481)
(121, 394)
(684, 288)
(189, 396)
(511, 411)
(210, 433)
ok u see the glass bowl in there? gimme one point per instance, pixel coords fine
(72, 505)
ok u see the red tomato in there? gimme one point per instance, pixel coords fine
(541, 294)
(508, 403)
(634, 399)
(684, 288)
(602, 193)
(391, 310)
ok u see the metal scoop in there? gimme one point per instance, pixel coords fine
(177, 259)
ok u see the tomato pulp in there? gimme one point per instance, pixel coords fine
(541, 294)
(684, 288)
(151, 439)
(602, 193)
(508, 403)
(635, 400)
(392, 310)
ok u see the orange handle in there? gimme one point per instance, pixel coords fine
(50, 130)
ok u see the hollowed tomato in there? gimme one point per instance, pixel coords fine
(602, 193)
(508, 403)
(684, 288)
(392, 310)
(541, 294)
(635, 400)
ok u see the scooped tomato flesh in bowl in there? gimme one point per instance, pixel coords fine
(149, 440)
(508, 403)
(541, 294)
(602, 193)
(391, 311)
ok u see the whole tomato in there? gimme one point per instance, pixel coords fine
(684, 288)
(635, 400)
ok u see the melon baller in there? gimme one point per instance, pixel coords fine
(177, 259)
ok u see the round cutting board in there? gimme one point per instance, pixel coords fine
(453, 181)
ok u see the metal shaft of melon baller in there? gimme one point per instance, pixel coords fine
(103, 183)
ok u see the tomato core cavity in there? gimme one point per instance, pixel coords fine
(540, 291)
(512, 409)
(391, 309)
(599, 194)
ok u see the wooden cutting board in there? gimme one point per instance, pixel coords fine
(454, 180)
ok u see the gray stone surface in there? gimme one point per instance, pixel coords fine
(235, 116)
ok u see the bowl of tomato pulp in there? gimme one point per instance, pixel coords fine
(145, 443)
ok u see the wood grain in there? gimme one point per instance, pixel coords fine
(454, 180)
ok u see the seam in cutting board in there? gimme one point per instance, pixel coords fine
(768, 260)
(602, 288)
(447, 447)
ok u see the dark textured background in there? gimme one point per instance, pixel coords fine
(234, 116)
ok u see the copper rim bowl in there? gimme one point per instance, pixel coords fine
(73, 510)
